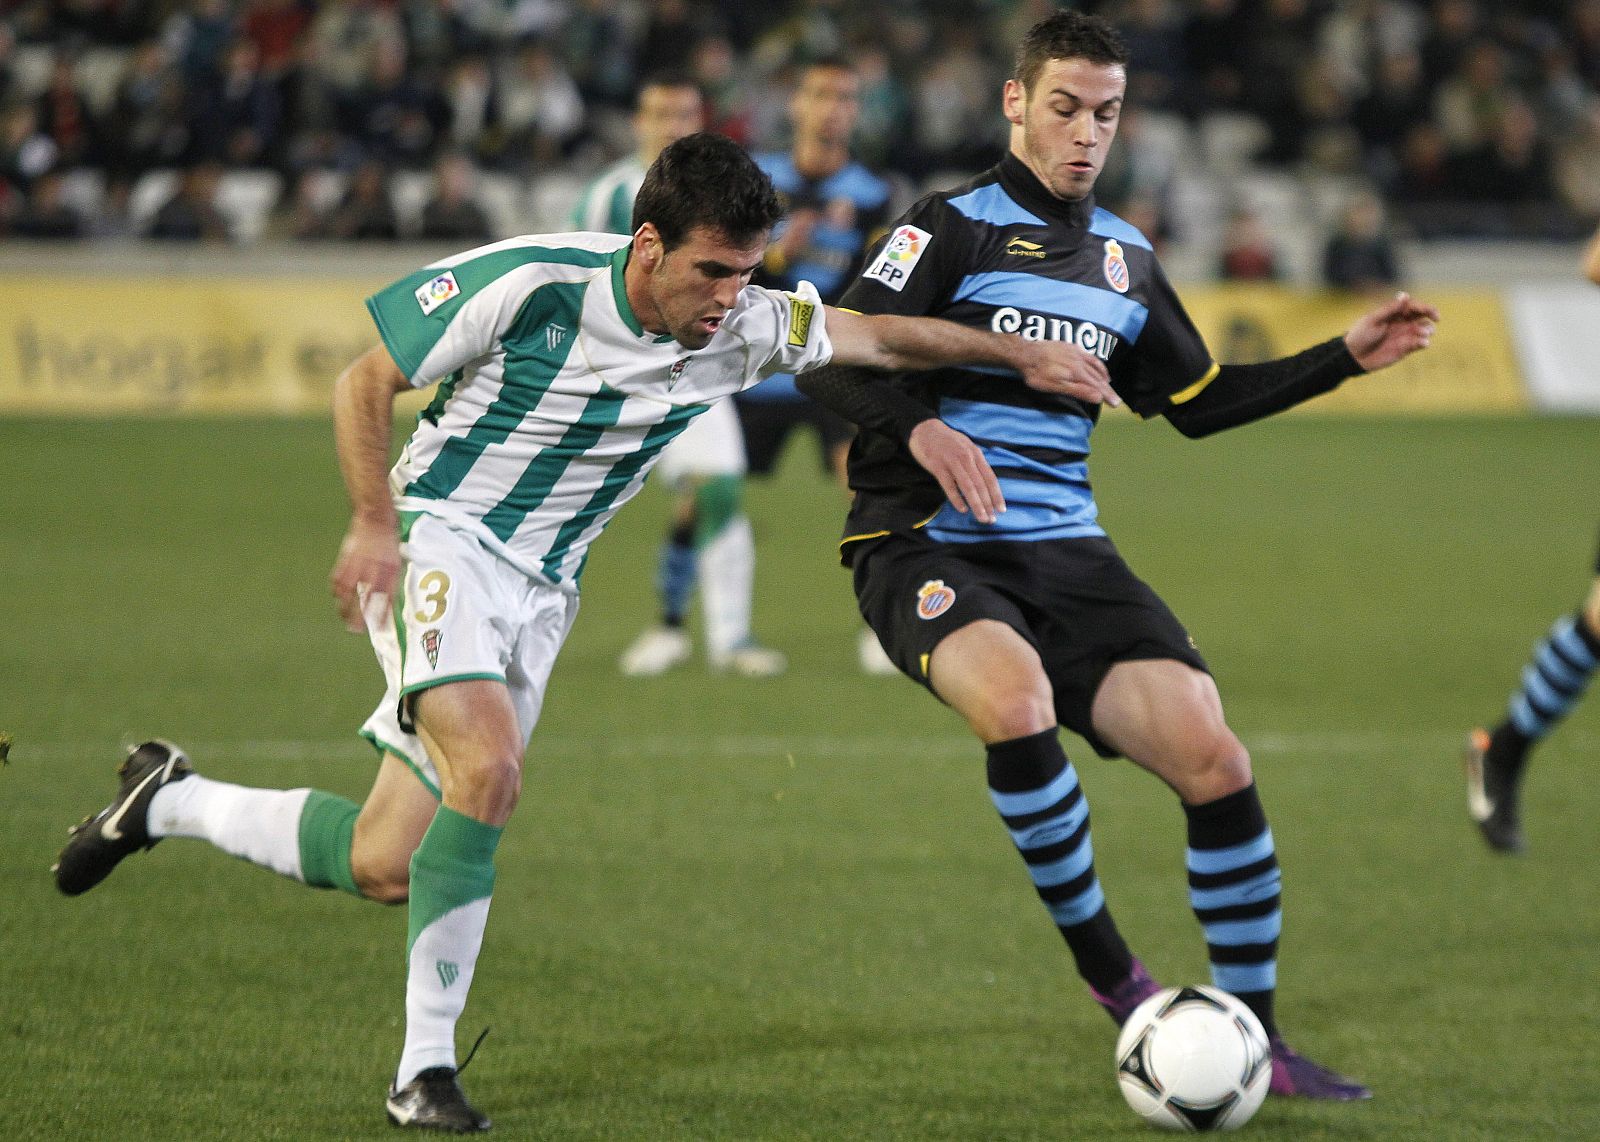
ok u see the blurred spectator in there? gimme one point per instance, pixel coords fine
(64, 115)
(46, 215)
(598, 45)
(1453, 27)
(1578, 167)
(953, 103)
(730, 105)
(1157, 76)
(148, 125)
(671, 32)
(366, 212)
(1214, 41)
(197, 37)
(1247, 254)
(454, 213)
(191, 214)
(540, 109)
(1276, 54)
(26, 153)
(470, 105)
(1512, 167)
(276, 27)
(885, 108)
(237, 113)
(396, 117)
(1360, 254)
(1470, 100)
(1395, 102)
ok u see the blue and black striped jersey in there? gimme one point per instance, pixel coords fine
(1002, 253)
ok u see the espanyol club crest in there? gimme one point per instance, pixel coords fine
(934, 599)
(1116, 266)
(431, 638)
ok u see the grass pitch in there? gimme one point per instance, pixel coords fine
(784, 910)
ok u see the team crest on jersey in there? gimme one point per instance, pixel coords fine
(431, 638)
(435, 293)
(674, 373)
(934, 599)
(800, 314)
(1116, 266)
(900, 256)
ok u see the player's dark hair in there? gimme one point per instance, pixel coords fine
(1068, 34)
(706, 180)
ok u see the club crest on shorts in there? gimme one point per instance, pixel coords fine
(1116, 266)
(432, 294)
(934, 599)
(431, 638)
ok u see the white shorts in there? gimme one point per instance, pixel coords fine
(712, 445)
(463, 613)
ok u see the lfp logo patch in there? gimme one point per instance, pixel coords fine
(900, 256)
(1116, 266)
(934, 599)
(435, 293)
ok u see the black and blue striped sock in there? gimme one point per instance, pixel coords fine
(1562, 664)
(1036, 790)
(1234, 889)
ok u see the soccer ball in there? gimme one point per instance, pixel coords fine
(1193, 1058)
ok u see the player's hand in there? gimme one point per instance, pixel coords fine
(367, 571)
(958, 464)
(1393, 331)
(1061, 367)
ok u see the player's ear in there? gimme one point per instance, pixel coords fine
(648, 246)
(1013, 100)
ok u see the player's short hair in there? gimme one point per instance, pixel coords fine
(1068, 34)
(706, 179)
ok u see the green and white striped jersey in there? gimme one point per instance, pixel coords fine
(607, 202)
(554, 401)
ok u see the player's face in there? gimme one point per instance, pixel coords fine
(1062, 129)
(687, 291)
(826, 104)
(665, 115)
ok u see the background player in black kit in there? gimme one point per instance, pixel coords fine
(1029, 619)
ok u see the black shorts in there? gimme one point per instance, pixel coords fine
(768, 423)
(1075, 600)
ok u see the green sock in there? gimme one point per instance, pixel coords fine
(327, 829)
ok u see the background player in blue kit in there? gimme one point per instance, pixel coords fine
(1034, 620)
(1552, 682)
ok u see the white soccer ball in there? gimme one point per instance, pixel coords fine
(1195, 1059)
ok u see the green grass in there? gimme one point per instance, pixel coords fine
(783, 909)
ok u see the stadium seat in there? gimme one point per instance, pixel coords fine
(148, 195)
(246, 199)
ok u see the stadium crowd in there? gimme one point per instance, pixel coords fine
(383, 119)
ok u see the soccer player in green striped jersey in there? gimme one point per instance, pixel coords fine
(564, 365)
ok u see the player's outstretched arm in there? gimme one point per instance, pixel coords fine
(368, 566)
(1240, 394)
(887, 341)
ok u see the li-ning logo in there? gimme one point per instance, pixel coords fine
(432, 294)
(448, 972)
(431, 638)
(934, 599)
(1022, 248)
(554, 334)
(1116, 266)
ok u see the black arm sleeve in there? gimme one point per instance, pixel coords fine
(866, 397)
(1242, 393)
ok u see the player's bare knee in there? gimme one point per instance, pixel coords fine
(385, 882)
(1215, 766)
(1007, 714)
(1591, 610)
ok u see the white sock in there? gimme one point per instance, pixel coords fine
(727, 578)
(260, 825)
(438, 976)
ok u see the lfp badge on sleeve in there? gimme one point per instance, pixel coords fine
(899, 257)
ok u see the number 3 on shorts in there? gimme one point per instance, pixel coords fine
(432, 591)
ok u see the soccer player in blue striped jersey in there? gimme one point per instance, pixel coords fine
(1557, 676)
(1034, 621)
(565, 364)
